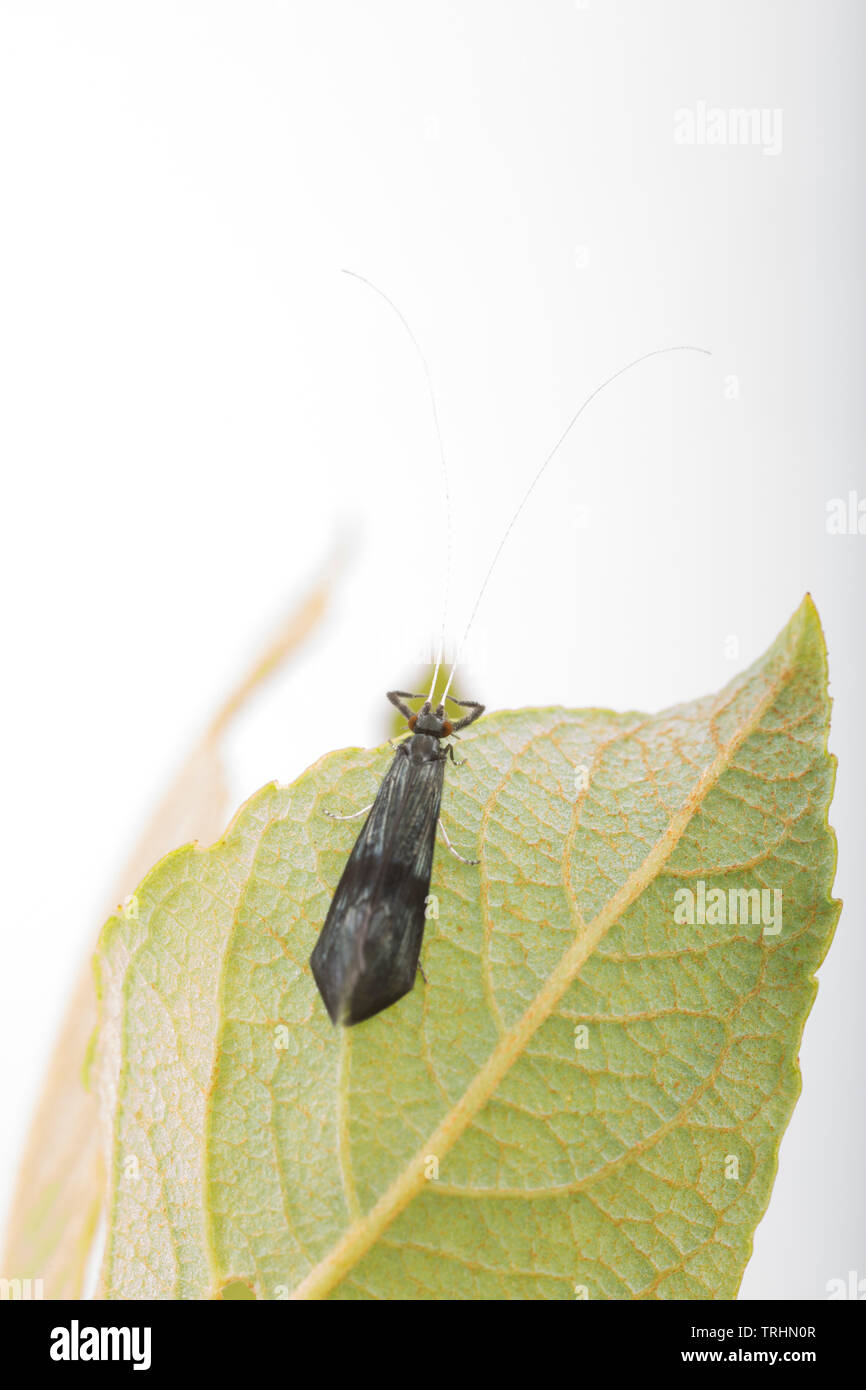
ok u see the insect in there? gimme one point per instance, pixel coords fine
(367, 955)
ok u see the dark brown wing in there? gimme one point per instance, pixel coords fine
(367, 954)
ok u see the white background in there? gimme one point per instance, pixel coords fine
(195, 402)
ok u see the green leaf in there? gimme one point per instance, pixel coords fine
(252, 1143)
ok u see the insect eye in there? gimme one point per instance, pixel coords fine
(413, 721)
(447, 728)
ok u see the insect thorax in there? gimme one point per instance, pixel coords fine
(422, 747)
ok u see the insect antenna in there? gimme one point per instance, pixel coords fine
(657, 352)
(440, 652)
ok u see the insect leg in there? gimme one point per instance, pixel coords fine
(476, 708)
(455, 852)
(399, 697)
(332, 815)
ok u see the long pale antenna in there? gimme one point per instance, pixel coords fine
(657, 352)
(448, 521)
